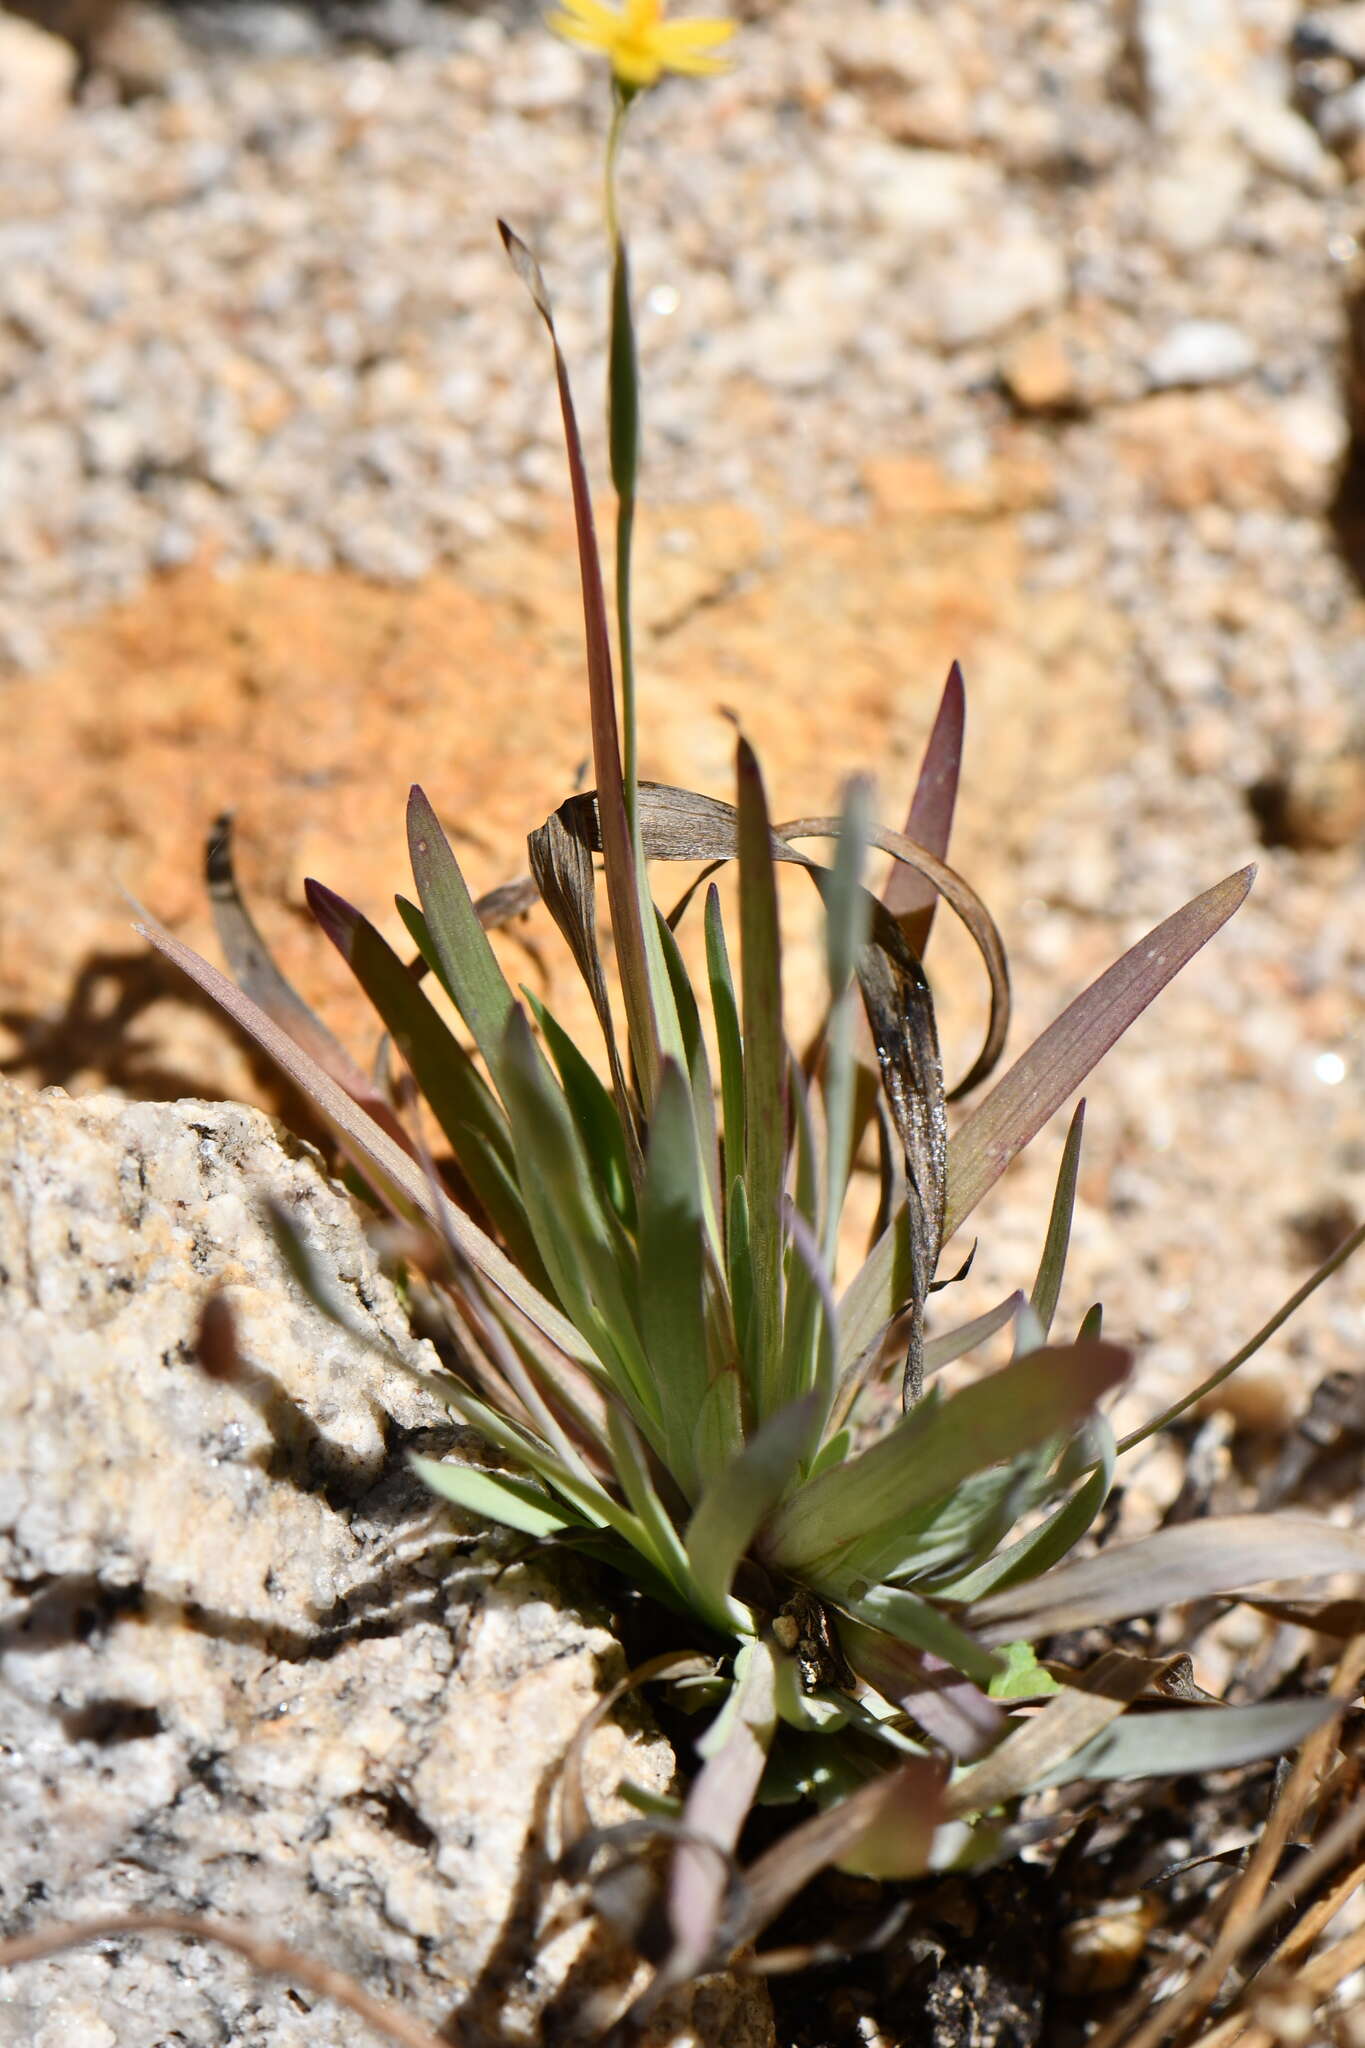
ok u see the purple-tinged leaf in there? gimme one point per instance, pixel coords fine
(623, 885)
(949, 1708)
(256, 971)
(884, 1830)
(371, 1146)
(1193, 1561)
(468, 965)
(1057, 1063)
(889, 1344)
(907, 895)
(954, 1344)
(729, 1043)
(516, 1369)
(717, 1807)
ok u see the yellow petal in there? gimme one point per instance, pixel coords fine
(698, 35)
(636, 65)
(638, 41)
(586, 21)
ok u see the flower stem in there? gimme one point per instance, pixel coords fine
(623, 407)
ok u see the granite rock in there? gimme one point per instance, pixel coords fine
(245, 1668)
(37, 74)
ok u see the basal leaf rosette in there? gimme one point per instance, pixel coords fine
(638, 1251)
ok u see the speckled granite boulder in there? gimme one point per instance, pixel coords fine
(242, 1668)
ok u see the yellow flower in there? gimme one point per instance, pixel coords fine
(639, 42)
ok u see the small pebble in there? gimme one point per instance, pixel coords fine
(1201, 352)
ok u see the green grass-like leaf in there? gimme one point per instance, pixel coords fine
(765, 1090)
(934, 1449)
(672, 1284)
(494, 1497)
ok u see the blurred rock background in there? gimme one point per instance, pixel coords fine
(1015, 332)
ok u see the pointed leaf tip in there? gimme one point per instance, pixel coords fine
(1063, 1056)
(909, 895)
(328, 908)
(528, 270)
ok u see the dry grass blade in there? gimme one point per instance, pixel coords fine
(1063, 1726)
(1246, 1898)
(1340, 1618)
(574, 1819)
(900, 1016)
(498, 906)
(274, 1958)
(1307, 1991)
(960, 898)
(1344, 1251)
(678, 824)
(1343, 1836)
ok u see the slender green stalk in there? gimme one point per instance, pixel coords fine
(624, 412)
(846, 924)
(625, 533)
(620, 107)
